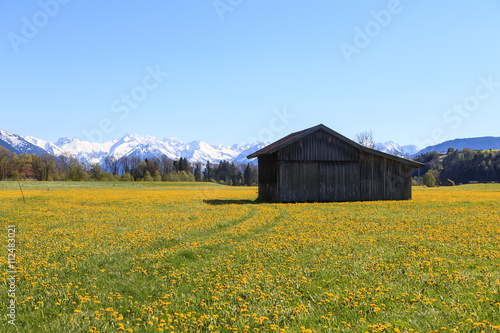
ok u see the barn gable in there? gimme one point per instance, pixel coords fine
(318, 164)
(319, 146)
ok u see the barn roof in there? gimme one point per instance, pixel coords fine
(291, 138)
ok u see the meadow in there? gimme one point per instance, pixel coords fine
(186, 257)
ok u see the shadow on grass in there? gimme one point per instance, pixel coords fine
(219, 202)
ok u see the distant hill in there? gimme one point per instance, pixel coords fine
(483, 143)
(18, 145)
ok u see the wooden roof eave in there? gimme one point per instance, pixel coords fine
(306, 132)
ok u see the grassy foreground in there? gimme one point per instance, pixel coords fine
(114, 257)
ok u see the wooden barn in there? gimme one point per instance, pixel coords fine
(320, 165)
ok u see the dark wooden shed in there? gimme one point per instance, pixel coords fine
(320, 165)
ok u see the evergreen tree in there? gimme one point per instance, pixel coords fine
(185, 165)
(197, 173)
(208, 173)
(247, 175)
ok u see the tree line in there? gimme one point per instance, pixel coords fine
(461, 167)
(47, 167)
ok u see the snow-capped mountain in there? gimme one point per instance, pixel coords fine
(394, 148)
(133, 145)
(49, 147)
(17, 144)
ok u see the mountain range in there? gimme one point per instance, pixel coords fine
(146, 147)
(483, 143)
(197, 151)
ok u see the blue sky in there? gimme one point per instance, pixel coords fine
(416, 72)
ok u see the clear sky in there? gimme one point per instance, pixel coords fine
(233, 71)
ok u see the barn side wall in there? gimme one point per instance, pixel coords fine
(384, 179)
(298, 181)
(318, 181)
(268, 177)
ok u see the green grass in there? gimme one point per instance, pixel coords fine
(204, 257)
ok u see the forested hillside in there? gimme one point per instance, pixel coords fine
(462, 166)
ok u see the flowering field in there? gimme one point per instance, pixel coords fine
(206, 258)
